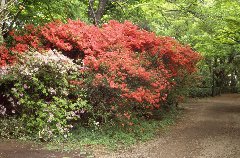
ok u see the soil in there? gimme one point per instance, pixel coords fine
(209, 128)
(18, 149)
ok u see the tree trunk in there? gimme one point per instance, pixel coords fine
(6, 20)
(1, 36)
(96, 14)
(214, 66)
(2, 17)
(3, 2)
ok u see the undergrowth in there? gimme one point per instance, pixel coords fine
(103, 138)
(112, 138)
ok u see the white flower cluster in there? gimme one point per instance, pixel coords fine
(33, 61)
(2, 110)
(4, 70)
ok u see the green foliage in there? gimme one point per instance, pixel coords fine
(38, 12)
(200, 92)
(12, 127)
(115, 137)
(39, 93)
(210, 27)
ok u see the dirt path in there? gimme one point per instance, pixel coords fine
(16, 149)
(210, 128)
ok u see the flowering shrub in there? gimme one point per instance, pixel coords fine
(128, 71)
(5, 56)
(37, 89)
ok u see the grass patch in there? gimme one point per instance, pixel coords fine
(113, 138)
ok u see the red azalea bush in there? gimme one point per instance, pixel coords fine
(128, 70)
(5, 56)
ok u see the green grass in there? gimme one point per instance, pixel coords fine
(113, 138)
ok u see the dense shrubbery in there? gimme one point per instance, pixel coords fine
(125, 73)
(37, 88)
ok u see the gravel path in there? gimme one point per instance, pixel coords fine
(209, 128)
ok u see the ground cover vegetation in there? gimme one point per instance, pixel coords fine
(86, 66)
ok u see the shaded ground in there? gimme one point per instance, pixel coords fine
(210, 128)
(16, 149)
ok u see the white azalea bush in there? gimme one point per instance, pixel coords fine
(38, 91)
